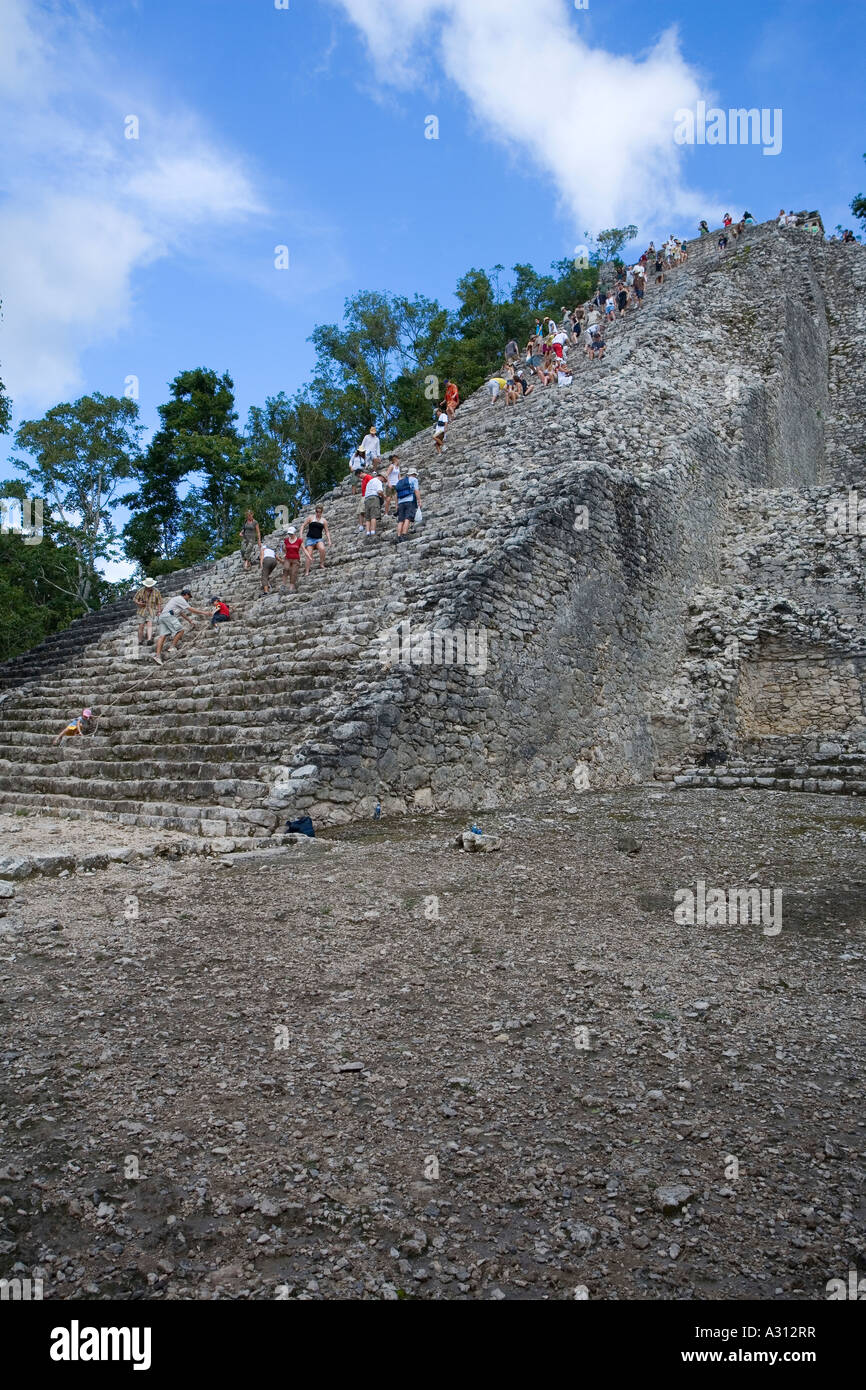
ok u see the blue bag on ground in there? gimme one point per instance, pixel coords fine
(304, 826)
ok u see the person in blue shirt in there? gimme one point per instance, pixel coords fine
(408, 502)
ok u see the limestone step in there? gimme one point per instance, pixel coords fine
(191, 698)
(33, 745)
(838, 784)
(209, 820)
(164, 781)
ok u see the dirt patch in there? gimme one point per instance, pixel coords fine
(397, 1070)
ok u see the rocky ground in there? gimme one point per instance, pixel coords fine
(373, 1066)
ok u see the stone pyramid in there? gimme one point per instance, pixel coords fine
(625, 578)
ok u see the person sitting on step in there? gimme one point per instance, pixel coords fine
(78, 727)
(221, 613)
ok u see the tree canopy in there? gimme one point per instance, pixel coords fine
(385, 363)
(76, 458)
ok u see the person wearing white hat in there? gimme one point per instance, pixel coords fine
(148, 601)
(291, 559)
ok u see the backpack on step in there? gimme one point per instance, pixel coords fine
(302, 826)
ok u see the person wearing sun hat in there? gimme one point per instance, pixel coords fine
(81, 725)
(292, 546)
(148, 601)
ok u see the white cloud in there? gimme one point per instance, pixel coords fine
(83, 208)
(598, 124)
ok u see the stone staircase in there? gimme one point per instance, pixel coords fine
(570, 530)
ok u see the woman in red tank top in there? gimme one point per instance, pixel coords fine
(292, 559)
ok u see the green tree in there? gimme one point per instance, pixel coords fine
(384, 339)
(609, 243)
(200, 421)
(37, 581)
(78, 455)
(154, 531)
(317, 447)
(199, 444)
(273, 434)
(388, 362)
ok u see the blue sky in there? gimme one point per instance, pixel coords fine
(304, 127)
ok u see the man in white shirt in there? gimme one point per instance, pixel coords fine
(440, 432)
(370, 446)
(171, 620)
(373, 503)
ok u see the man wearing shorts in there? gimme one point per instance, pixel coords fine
(440, 432)
(597, 347)
(452, 399)
(495, 386)
(373, 503)
(408, 502)
(171, 620)
(365, 478)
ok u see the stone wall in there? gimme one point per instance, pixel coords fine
(722, 389)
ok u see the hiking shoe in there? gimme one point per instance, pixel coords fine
(158, 660)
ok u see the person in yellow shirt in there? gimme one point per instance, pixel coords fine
(495, 386)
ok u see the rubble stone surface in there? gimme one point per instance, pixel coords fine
(404, 1073)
